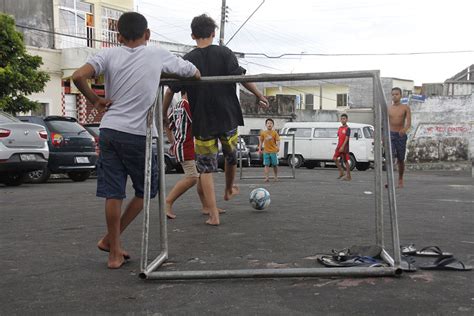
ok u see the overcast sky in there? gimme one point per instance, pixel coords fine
(333, 27)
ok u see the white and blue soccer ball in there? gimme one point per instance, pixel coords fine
(259, 198)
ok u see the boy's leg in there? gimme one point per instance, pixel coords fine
(348, 167)
(207, 185)
(134, 208)
(184, 184)
(113, 208)
(205, 205)
(338, 164)
(206, 161)
(266, 168)
(229, 149)
(275, 166)
(230, 188)
(401, 170)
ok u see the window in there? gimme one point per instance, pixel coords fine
(309, 100)
(342, 99)
(325, 132)
(356, 131)
(41, 110)
(109, 26)
(300, 132)
(74, 20)
(368, 132)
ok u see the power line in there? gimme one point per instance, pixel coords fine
(255, 55)
(359, 54)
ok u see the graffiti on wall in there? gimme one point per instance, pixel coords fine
(442, 130)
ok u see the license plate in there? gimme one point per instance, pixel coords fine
(82, 160)
(28, 157)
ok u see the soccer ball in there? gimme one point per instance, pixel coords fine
(259, 198)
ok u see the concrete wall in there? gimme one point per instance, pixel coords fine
(32, 13)
(442, 130)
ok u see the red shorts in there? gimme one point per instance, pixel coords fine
(343, 155)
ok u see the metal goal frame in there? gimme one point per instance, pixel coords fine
(148, 270)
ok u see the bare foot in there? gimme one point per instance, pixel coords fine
(115, 262)
(169, 211)
(206, 212)
(213, 221)
(400, 184)
(230, 194)
(266, 179)
(347, 179)
(276, 179)
(340, 176)
(104, 246)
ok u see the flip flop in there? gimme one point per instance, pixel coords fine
(432, 251)
(407, 264)
(447, 263)
(355, 261)
(408, 249)
(126, 257)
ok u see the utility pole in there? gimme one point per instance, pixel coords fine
(223, 18)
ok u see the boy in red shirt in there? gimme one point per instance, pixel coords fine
(342, 149)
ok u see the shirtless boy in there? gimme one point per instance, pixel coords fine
(399, 116)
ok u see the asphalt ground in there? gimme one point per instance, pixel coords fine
(50, 263)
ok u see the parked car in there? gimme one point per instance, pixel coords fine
(23, 148)
(315, 143)
(93, 129)
(256, 158)
(72, 149)
(171, 163)
(245, 154)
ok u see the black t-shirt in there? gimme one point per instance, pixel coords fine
(215, 107)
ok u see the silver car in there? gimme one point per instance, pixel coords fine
(23, 148)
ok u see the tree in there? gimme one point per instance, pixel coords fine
(19, 74)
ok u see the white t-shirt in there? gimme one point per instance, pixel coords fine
(132, 76)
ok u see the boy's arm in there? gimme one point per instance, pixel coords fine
(407, 121)
(260, 143)
(166, 123)
(253, 88)
(167, 98)
(79, 77)
(173, 64)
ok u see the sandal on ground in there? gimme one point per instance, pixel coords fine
(408, 249)
(447, 263)
(432, 251)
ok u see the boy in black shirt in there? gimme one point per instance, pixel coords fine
(215, 110)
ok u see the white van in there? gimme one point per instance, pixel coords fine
(315, 143)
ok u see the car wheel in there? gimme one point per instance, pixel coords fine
(168, 165)
(79, 176)
(362, 166)
(38, 176)
(14, 180)
(296, 161)
(352, 163)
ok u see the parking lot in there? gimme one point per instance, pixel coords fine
(50, 263)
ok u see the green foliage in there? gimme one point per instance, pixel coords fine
(19, 74)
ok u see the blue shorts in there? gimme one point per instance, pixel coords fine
(270, 160)
(399, 145)
(122, 155)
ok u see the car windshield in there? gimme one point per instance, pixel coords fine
(64, 127)
(7, 118)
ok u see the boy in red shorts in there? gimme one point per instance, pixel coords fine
(342, 149)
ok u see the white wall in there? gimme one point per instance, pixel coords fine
(52, 90)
